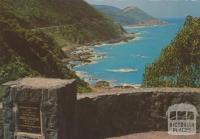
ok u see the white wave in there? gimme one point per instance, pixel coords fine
(141, 26)
(138, 33)
(100, 45)
(125, 70)
(144, 32)
(136, 39)
(112, 44)
(85, 76)
(145, 57)
(132, 85)
(93, 61)
(128, 85)
(137, 85)
(141, 56)
(134, 27)
(82, 74)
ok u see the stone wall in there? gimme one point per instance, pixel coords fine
(94, 116)
(137, 110)
(1, 121)
(41, 106)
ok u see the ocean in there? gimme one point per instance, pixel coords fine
(124, 63)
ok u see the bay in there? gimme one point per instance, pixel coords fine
(124, 63)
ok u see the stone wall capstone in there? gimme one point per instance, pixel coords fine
(39, 108)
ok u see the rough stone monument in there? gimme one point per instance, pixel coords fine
(39, 108)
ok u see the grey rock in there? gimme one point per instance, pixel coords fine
(56, 99)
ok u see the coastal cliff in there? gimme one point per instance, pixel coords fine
(71, 21)
(34, 31)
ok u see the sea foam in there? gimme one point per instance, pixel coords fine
(125, 70)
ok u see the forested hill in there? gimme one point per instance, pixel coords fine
(179, 64)
(28, 45)
(83, 24)
(129, 16)
(26, 53)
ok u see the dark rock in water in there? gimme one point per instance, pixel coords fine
(102, 84)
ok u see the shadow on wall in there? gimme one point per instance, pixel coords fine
(141, 110)
(1, 121)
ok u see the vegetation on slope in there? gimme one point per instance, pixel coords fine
(78, 22)
(129, 16)
(33, 31)
(29, 53)
(178, 65)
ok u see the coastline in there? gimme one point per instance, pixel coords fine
(85, 54)
(147, 26)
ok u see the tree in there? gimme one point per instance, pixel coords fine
(179, 64)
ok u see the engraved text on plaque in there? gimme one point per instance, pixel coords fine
(28, 118)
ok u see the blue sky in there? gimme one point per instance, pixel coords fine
(158, 8)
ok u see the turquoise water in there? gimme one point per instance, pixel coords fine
(125, 62)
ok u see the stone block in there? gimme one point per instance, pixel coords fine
(39, 108)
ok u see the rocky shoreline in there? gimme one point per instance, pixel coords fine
(150, 24)
(86, 54)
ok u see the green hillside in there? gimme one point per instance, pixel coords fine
(27, 53)
(32, 33)
(178, 65)
(129, 16)
(76, 21)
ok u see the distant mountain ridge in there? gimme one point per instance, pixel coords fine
(129, 16)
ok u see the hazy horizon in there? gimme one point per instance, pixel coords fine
(157, 8)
